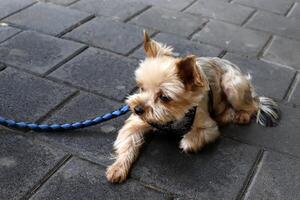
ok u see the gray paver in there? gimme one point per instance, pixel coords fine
(181, 47)
(36, 52)
(47, 18)
(79, 179)
(108, 34)
(276, 6)
(95, 143)
(283, 51)
(8, 7)
(217, 172)
(182, 24)
(263, 75)
(22, 164)
(284, 138)
(221, 10)
(278, 177)
(27, 98)
(295, 13)
(295, 99)
(99, 71)
(7, 32)
(280, 25)
(116, 9)
(232, 38)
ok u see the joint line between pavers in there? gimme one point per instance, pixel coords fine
(76, 53)
(76, 25)
(189, 5)
(252, 173)
(198, 30)
(141, 44)
(57, 107)
(11, 36)
(62, 82)
(72, 3)
(265, 47)
(37, 186)
(262, 147)
(3, 18)
(289, 11)
(243, 24)
(137, 13)
(292, 87)
(222, 54)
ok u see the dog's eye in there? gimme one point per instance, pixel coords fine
(164, 98)
(141, 89)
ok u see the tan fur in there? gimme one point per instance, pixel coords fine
(185, 82)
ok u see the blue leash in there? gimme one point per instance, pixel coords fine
(64, 127)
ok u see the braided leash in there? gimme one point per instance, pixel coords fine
(64, 127)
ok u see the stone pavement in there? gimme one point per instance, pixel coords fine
(67, 60)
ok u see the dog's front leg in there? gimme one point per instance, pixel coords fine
(127, 145)
(204, 130)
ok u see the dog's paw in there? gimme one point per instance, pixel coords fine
(242, 117)
(116, 173)
(189, 146)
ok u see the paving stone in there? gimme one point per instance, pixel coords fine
(284, 138)
(169, 21)
(23, 164)
(283, 51)
(221, 10)
(36, 52)
(295, 13)
(278, 177)
(276, 6)
(181, 46)
(280, 25)
(60, 2)
(120, 10)
(7, 32)
(108, 34)
(263, 76)
(26, 97)
(100, 71)
(232, 38)
(48, 18)
(8, 7)
(95, 143)
(217, 172)
(79, 179)
(295, 99)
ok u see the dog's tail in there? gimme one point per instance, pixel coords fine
(268, 113)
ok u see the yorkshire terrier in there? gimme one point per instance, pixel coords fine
(170, 88)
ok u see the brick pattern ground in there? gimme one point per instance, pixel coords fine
(67, 60)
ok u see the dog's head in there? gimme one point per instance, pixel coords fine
(168, 86)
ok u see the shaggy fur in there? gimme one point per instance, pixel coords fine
(170, 87)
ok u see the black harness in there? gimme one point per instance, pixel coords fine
(185, 124)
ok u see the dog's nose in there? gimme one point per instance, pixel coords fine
(138, 110)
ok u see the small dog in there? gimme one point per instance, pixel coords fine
(169, 87)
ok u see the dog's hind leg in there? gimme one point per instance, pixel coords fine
(240, 95)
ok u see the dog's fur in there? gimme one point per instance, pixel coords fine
(169, 87)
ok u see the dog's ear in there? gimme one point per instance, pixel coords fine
(189, 72)
(153, 48)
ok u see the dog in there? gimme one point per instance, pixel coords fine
(170, 87)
